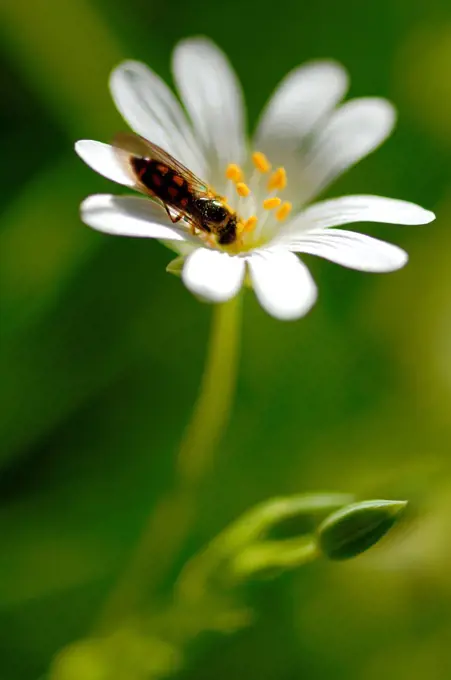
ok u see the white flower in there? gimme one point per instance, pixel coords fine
(306, 135)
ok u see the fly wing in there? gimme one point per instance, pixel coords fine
(127, 144)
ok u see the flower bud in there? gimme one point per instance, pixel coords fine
(353, 529)
(273, 536)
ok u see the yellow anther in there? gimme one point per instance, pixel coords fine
(270, 203)
(250, 223)
(278, 180)
(234, 172)
(239, 228)
(242, 189)
(261, 162)
(283, 211)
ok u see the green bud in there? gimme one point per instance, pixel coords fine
(285, 517)
(273, 536)
(355, 528)
(276, 535)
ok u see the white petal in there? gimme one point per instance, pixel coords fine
(301, 100)
(350, 209)
(282, 284)
(129, 216)
(103, 159)
(353, 131)
(152, 110)
(213, 275)
(353, 250)
(213, 97)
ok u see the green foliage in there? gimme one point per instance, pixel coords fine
(101, 353)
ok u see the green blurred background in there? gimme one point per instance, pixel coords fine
(102, 351)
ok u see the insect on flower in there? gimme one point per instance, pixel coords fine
(303, 140)
(183, 195)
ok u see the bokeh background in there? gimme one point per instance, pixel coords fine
(102, 351)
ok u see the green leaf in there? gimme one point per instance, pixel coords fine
(355, 528)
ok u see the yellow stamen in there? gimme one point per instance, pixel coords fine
(283, 211)
(261, 162)
(242, 189)
(239, 228)
(278, 180)
(270, 203)
(234, 172)
(250, 223)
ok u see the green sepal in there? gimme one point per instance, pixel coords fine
(175, 266)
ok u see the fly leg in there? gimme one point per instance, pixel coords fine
(193, 229)
(173, 219)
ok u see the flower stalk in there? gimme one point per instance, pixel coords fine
(212, 410)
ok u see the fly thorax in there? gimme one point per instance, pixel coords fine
(212, 212)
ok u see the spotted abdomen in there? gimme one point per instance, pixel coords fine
(163, 182)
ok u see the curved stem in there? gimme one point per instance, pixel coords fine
(170, 521)
(212, 409)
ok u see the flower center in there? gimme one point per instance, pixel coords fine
(258, 206)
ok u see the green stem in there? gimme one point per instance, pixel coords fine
(171, 520)
(212, 409)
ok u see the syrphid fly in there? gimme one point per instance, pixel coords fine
(156, 173)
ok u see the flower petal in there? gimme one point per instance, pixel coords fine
(282, 284)
(353, 250)
(212, 96)
(300, 101)
(213, 275)
(152, 110)
(352, 132)
(103, 159)
(129, 216)
(350, 209)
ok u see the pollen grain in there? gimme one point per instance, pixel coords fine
(261, 162)
(250, 223)
(271, 203)
(242, 189)
(284, 211)
(278, 180)
(234, 173)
